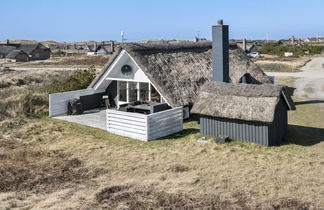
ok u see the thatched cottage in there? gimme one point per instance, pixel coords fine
(34, 51)
(18, 56)
(169, 72)
(170, 78)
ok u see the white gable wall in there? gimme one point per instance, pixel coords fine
(114, 73)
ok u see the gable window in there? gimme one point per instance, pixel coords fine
(132, 88)
(122, 91)
(37, 55)
(129, 91)
(155, 96)
(144, 91)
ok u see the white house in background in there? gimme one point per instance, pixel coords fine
(288, 54)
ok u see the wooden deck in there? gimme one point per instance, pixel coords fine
(94, 118)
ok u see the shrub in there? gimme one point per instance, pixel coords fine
(81, 79)
(279, 50)
(58, 53)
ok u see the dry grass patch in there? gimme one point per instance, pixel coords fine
(276, 64)
(24, 167)
(82, 61)
(137, 197)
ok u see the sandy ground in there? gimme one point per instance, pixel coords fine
(310, 82)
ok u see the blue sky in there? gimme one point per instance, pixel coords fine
(81, 20)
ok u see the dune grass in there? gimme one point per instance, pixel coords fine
(63, 165)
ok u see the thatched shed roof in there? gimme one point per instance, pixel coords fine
(241, 101)
(179, 69)
(14, 53)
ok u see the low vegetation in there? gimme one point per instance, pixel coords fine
(80, 79)
(53, 164)
(279, 50)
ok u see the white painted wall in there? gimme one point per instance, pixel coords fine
(58, 101)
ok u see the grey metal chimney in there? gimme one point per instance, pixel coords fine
(220, 52)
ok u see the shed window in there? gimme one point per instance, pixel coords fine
(36, 55)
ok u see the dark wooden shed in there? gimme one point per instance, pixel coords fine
(253, 113)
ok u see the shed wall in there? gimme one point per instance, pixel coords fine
(256, 132)
(278, 129)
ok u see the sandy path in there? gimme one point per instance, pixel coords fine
(310, 82)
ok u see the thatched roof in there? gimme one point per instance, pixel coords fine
(6, 49)
(29, 48)
(179, 69)
(241, 101)
(106, 48)
(14, 53)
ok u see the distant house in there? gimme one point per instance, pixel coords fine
(34, 51)
(101, 49)
(104, 49)
(18, 56)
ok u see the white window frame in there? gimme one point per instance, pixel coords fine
(138, 91)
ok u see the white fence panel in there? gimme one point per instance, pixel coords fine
(165, 123)
(58, 101)
(145, 127)
(128, 124)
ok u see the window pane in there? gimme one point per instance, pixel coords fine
(144, 91)
(122, 91)
(132, 91)
(155, 96)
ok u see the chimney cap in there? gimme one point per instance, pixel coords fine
(220, 22)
